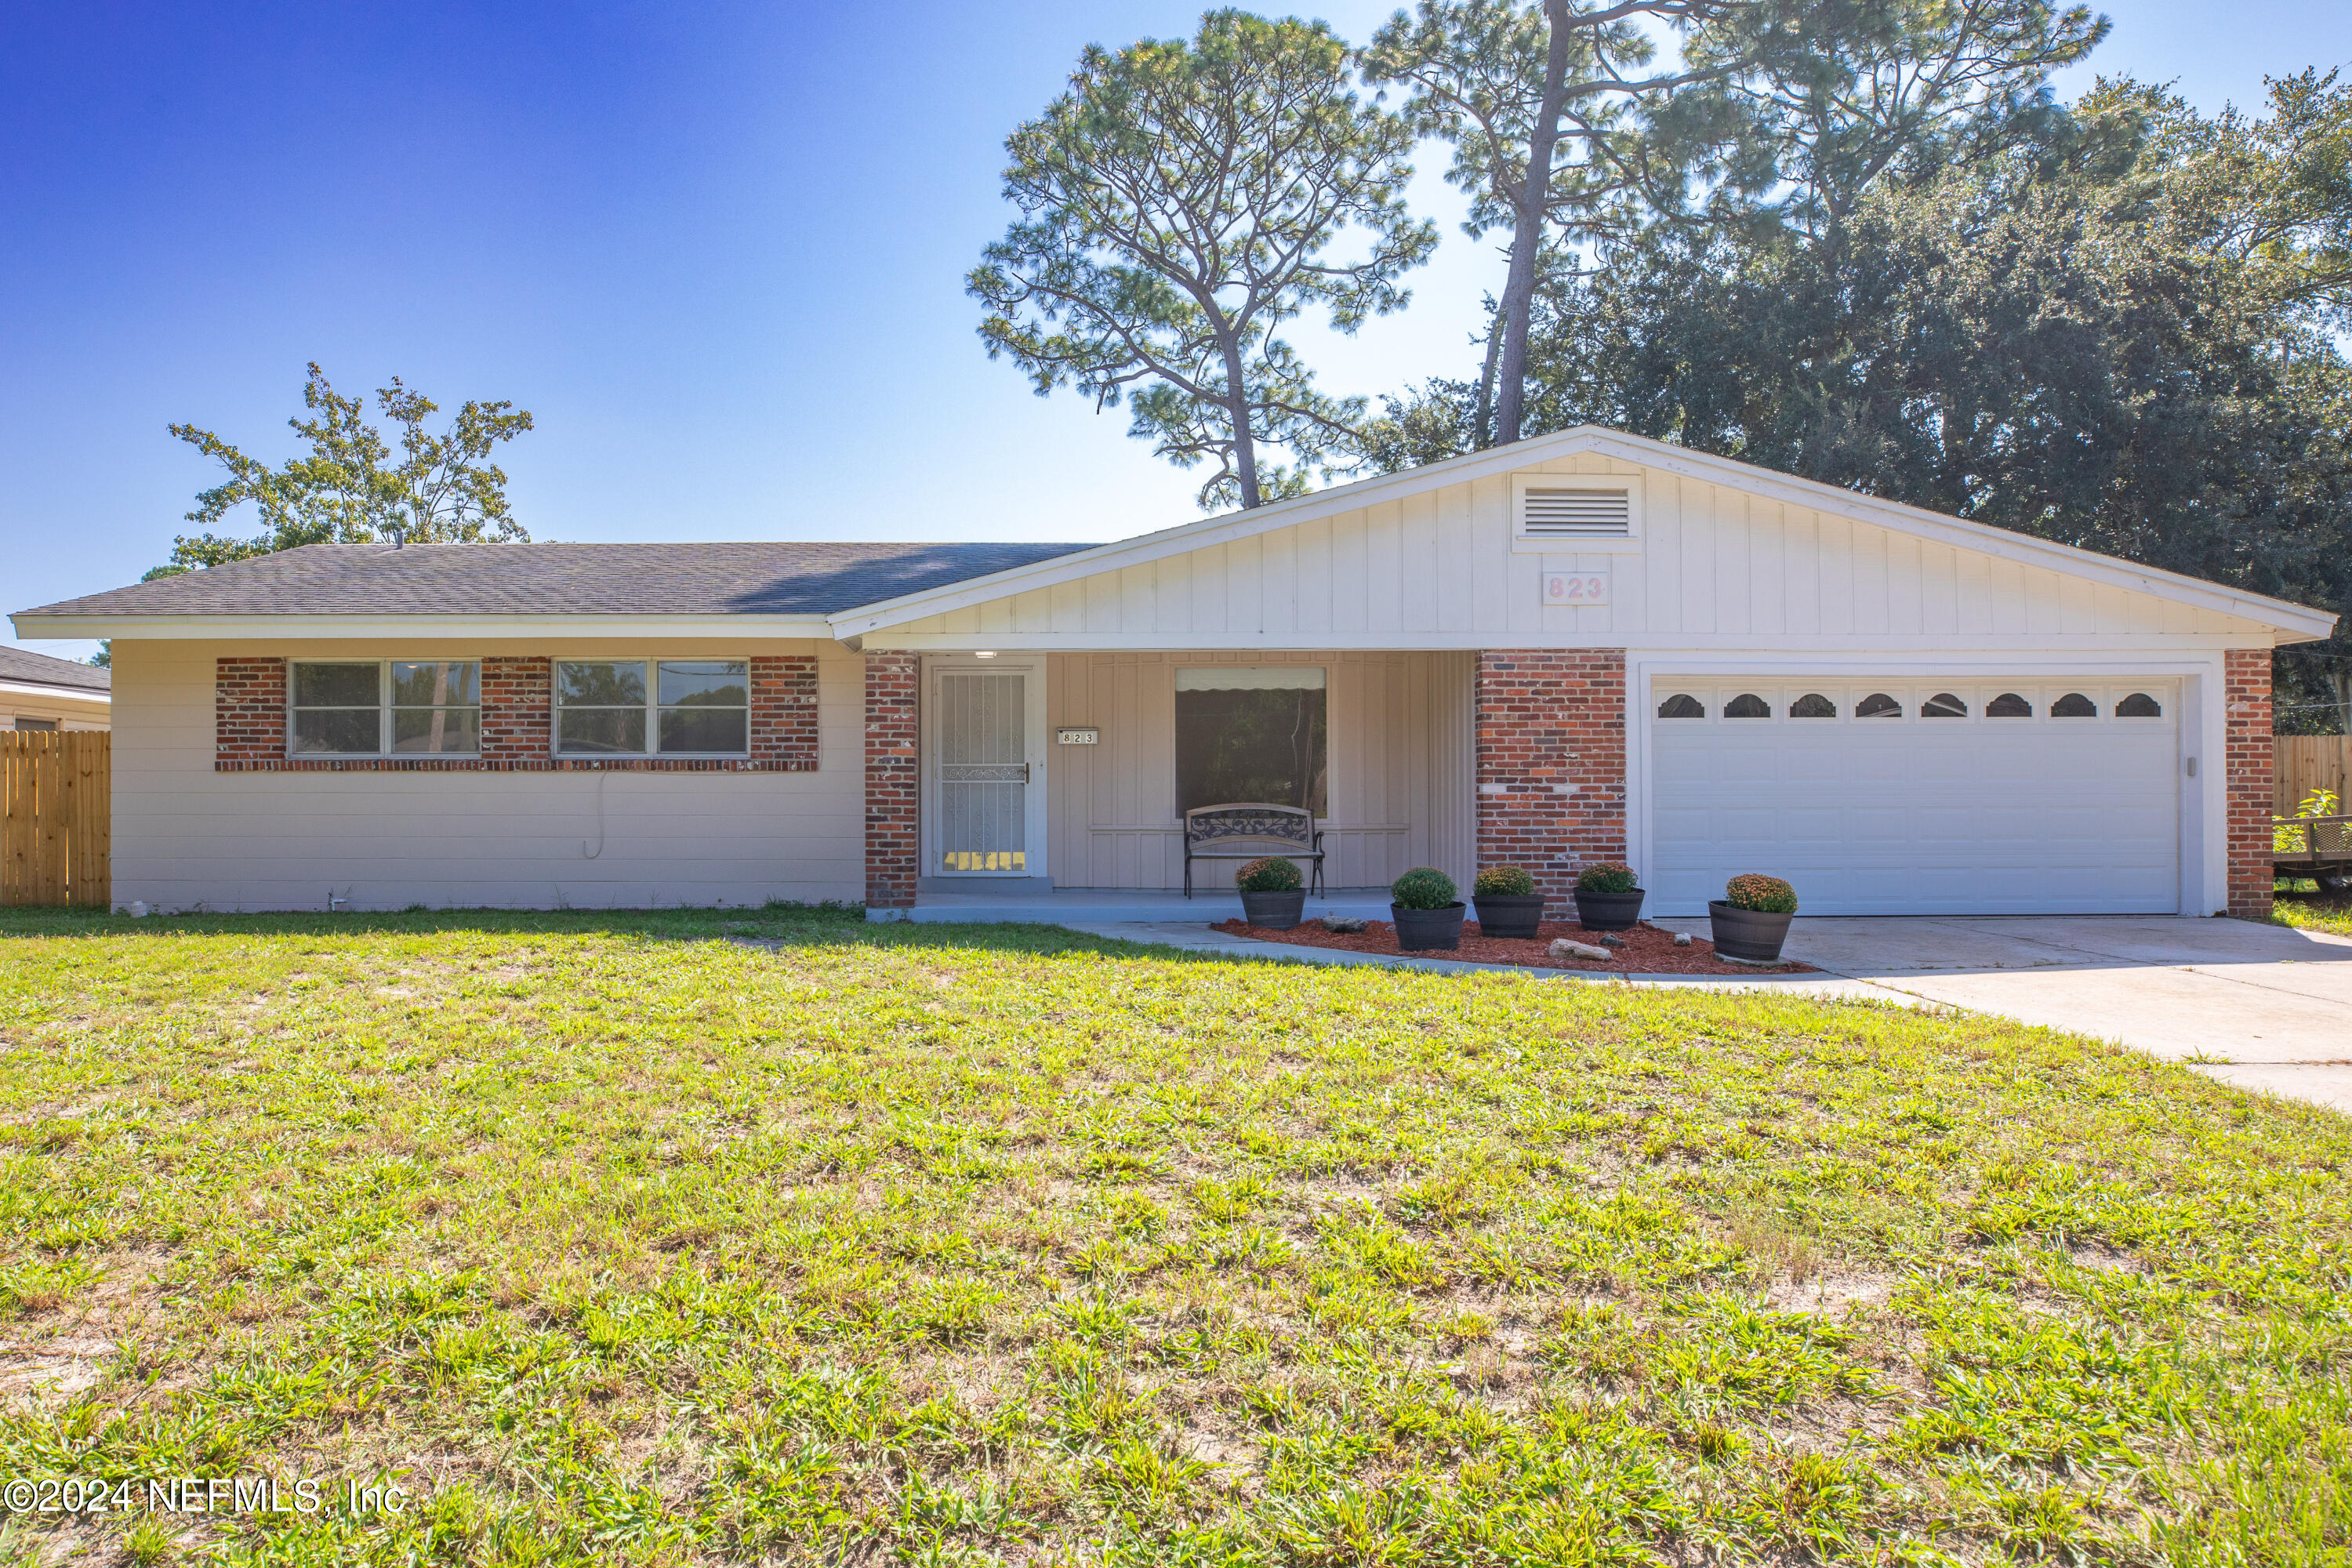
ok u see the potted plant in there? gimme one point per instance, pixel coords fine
(1751, 918)
(1273, 894)
(1427, 909)
(1607, 898)
(1508, 904)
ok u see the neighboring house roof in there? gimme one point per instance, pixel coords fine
(22, 667)
(2299, 621)
(726, 579)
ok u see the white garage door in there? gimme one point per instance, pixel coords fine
(1909, 797)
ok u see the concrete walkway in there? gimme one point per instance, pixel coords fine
(2259, 1007)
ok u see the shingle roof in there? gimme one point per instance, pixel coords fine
(751, 579)
(32, 668)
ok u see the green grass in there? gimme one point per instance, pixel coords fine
(2300, 902)
(618, 1243)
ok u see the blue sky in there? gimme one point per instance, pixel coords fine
(718, 251)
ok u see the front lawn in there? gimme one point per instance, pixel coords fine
(617, 1241)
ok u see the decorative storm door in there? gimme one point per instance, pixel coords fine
(981, 826)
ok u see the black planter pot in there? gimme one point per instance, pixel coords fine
(1750, 934)
(1424, 931)
(1274, 912)
(1608, 911)
(1509, 914)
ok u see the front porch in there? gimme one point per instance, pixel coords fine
(1010, 785)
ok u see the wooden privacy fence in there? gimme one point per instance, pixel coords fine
(54, 840)
(2306, 762)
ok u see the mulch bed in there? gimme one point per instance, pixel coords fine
(1647, 950)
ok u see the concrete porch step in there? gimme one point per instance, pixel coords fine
(1076, 906)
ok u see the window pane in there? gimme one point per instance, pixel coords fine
(1681, 705)
(706, 729)
(613, 684)
(340, 731)
(435, 729)
(1878, 705)
(441, 683)
(1812, 705)
(707, 683)
(2073, 705)
(2009, 705)
(603, 729)
(1266, 744)
(2139, 705)
(335, 686)
(1748, 705)
(1943, 705)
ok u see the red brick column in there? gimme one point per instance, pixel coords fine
(783, 713)
(893, 779)
(517, 712)
(248, 714)
(1551, 763)
(2246, 673)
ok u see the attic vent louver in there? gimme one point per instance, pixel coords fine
(1560, 513)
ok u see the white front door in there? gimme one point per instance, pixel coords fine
(2017, 795)
(987, 771)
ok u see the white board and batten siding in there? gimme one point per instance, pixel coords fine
(1399, 728)
(1716, 567)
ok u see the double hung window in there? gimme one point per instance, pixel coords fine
(658, 707)
(384, 708)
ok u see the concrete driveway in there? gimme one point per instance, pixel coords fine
(2264, 1006)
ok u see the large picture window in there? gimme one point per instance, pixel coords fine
(667, 707)
(386, 707)
(1246, 733)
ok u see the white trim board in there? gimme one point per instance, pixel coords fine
(2087, 644)
(260, 629)
(97, 694)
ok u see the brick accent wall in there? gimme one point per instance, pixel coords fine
(517, 725)
(2246, 675)
(1550, 735)
(783, 713)
(517, 712)
(893, 779)
(248, 714)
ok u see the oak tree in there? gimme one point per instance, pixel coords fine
(352, 488)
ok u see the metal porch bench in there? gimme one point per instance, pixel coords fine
(1245, 830)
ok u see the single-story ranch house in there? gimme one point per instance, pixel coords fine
(1586, 647)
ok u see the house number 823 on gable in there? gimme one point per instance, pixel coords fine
(1573, 588)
